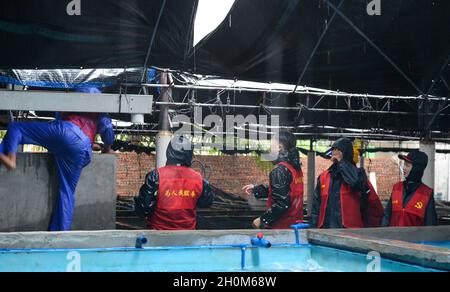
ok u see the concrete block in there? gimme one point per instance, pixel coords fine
(29, 193)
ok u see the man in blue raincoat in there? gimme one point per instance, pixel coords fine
(69, 139)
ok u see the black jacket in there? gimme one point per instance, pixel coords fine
(343, 171)
(145, 203)
(280, 179)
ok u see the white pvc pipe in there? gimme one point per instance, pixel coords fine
(162, 142)
(137, 118)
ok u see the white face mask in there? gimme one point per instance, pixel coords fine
(401, 165)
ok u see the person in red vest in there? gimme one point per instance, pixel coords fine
(170, 195)
(285, 191)
(342, 191)
(411, 202)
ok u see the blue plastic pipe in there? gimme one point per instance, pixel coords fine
(296, 227)
(259, 241)
(140, 241)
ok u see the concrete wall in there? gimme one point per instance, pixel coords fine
(28, 194)
(442, 181)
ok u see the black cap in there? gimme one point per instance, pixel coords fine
(415, 157)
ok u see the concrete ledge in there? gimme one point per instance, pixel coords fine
(416, 254)
(410, 234)
(116, 238)
(379, 240)
(29, 193)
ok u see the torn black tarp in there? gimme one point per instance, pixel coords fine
(74, 78)
(106, 34)
(398, 52)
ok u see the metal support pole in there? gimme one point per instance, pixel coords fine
(311, 178)
(361, 161)
(361, 155)
(164, 135)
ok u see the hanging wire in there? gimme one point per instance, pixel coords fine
(204, 169)
(152, 40)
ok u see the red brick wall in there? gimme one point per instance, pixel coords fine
(231, 173)
(131, 171)
(387, 174)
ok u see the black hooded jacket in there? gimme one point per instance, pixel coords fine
(410, 186)
(343, 171)
(280, 180)
(145, 203)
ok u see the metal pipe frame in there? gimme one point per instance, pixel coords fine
(292, 108)
(316, 92)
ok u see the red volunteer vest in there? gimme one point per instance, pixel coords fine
(295, 212)
(350, 203)
(178, 192)
(414, 212)
(87, 122)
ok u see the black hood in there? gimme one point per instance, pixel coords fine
(419, 161)
(416, 173)
(346, 147)
(179, 152)
(292, 157)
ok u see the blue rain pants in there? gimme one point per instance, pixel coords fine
(71, 150)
